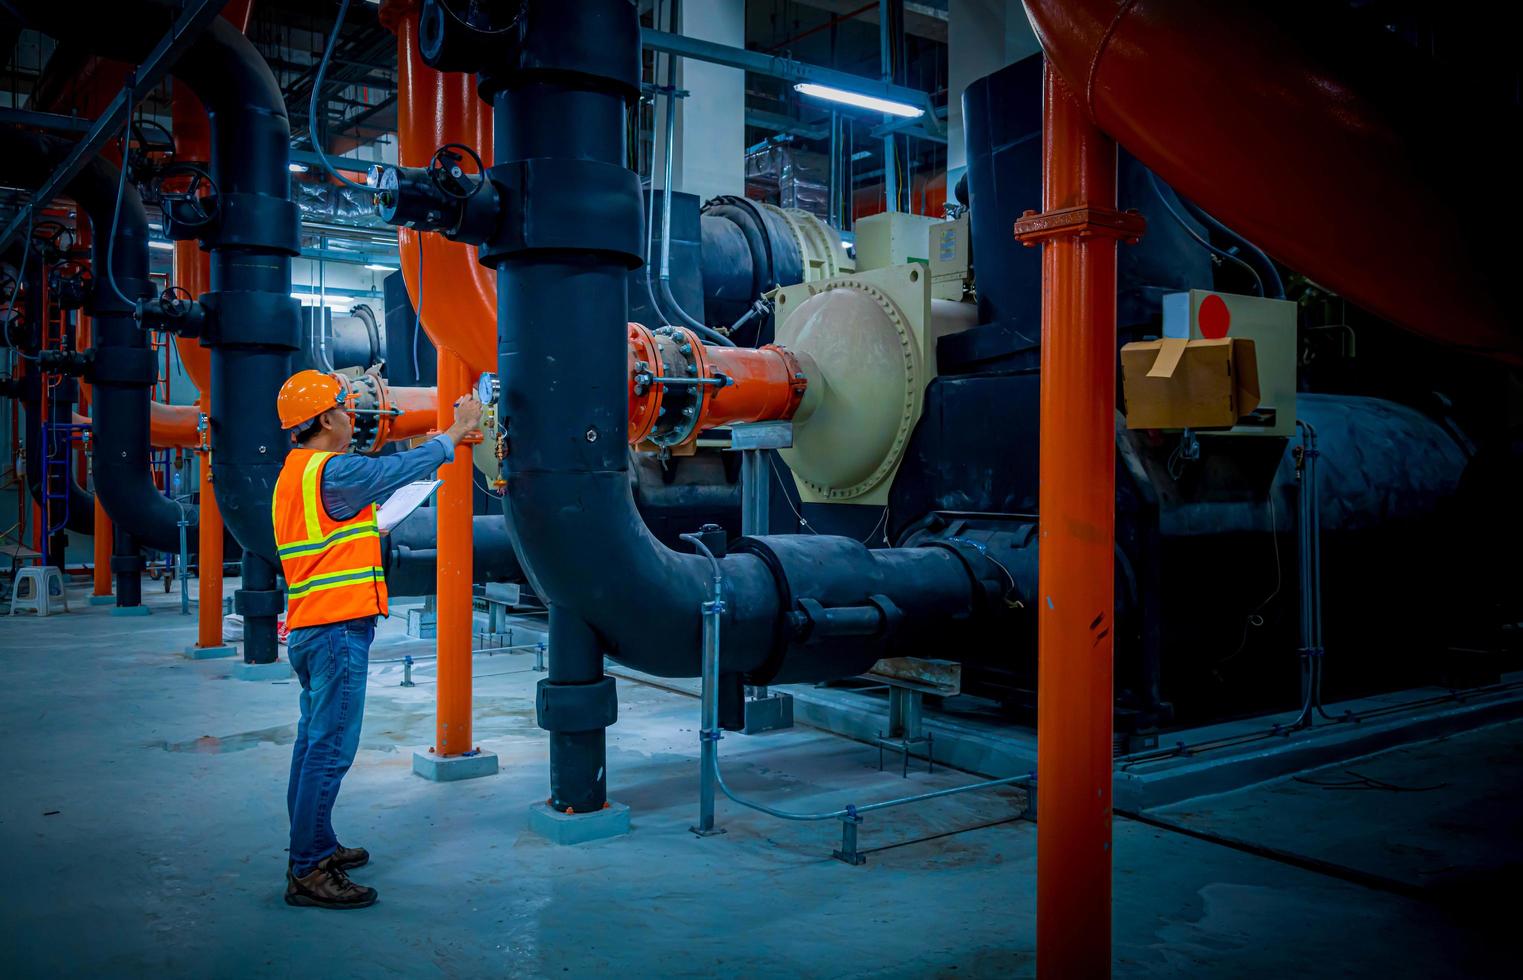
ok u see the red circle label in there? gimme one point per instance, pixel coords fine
(1214, 319)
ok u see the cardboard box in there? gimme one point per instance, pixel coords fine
(1189, 384)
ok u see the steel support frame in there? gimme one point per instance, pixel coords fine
(195, 18)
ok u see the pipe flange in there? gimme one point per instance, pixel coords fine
(679, 354)
(644, 391)
(367, 394)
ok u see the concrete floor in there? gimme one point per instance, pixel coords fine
(143, 825)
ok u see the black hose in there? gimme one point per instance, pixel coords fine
(1264, 262)
(1163, 198)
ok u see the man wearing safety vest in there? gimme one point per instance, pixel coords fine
(330, 552)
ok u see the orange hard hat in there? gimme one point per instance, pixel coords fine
(306, 395)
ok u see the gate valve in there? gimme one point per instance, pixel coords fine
(172, 311)
(70, 362)
(441, 197)
(188, 200)
(71, 284)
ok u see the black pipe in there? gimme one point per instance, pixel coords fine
(747, 250)
(252, 325)
(560, 83)
(123, 371)
(412, 557)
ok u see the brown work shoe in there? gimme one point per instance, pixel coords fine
(347, 858)
(327, 888)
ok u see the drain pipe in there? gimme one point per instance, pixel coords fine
(1309, 555)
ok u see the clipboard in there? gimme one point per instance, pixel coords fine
(402, 503)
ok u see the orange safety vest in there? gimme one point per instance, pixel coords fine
(332, 568)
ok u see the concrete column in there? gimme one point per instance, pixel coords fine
(709, 157)
(983, 36)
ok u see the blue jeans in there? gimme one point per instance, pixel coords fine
(331, 662)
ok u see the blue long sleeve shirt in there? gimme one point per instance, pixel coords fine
(352, 482)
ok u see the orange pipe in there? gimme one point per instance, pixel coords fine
(452, 720)
(459, 308)
(1075, 565)
(209, 553)
(173, 426)
(170, 426)
(102, 540)
(419, 407)
(763, 384)
(456, 299)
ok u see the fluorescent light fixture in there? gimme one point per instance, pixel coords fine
(341, 304)
(297, 168)
(378, 267)
(859, 100)
(166, 246)
(861, 155)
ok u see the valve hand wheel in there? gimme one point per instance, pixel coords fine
(187, 195)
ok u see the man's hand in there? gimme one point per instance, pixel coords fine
(467, 418)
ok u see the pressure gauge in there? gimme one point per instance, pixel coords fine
(486, 389)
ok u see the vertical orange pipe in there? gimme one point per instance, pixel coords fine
(453, 718)
(192, 272)
(459, 314)
(102, 542)
(1077, 503)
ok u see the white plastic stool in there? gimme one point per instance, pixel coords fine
(46, 591)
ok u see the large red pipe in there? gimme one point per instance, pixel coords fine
(1345, 156)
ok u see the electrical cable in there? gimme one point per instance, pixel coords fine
(116, 214)
(789, 500)
(882, 519)
(317, 88)
(1204, 243)
(1254, 618)
(1276, 284)
(703, 330)
(417, 323)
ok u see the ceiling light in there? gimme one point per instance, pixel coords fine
(297, 168)
(166, 246)
(340, 304)
(378, 267)
(859, 100)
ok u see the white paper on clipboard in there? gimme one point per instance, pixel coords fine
(404, 502)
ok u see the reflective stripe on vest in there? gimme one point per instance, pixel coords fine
(332, 568)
